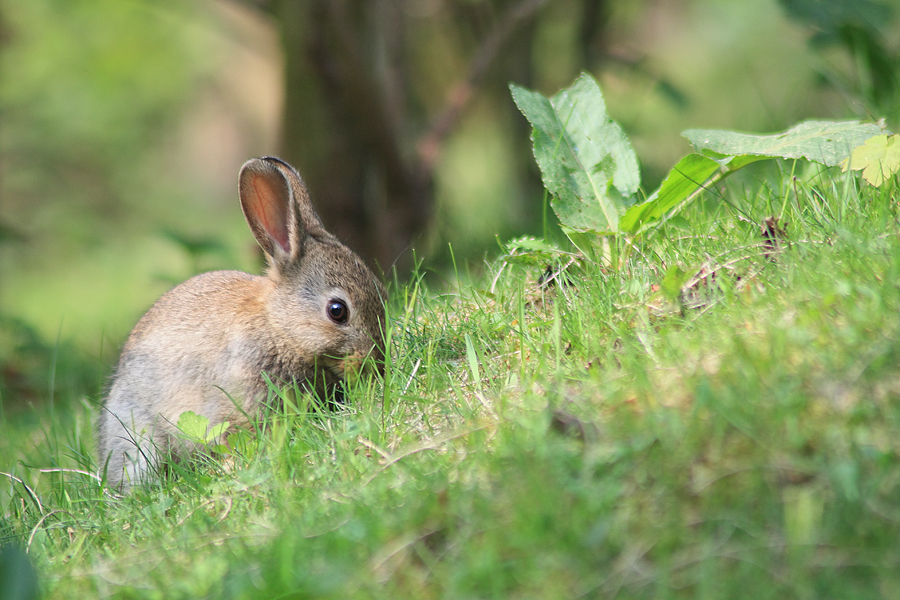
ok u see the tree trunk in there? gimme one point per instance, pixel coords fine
(339, 131)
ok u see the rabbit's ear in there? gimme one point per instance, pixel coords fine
(277, 208)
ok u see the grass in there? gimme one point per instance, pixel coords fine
(717, 416)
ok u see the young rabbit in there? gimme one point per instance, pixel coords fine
(204, 345)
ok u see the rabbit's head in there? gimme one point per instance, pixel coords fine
(322, 301)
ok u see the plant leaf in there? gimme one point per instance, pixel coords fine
(215, 431)
(193, 425)
(586, 160)
(684, 179)
(687, 177)
(584, 241)
(826, 142)
(724, 152)
(878, 159)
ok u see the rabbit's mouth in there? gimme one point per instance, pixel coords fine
(345, 368)
(360, 364)
(332, 366)
(333, 371)
(330, 380)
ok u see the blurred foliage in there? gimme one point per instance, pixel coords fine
(100, 213)
(200, 250)
(878, 159)
(375, 90)
(862, 29)
(34, 371)
(18, 579)
(89, 97)
(89, 91)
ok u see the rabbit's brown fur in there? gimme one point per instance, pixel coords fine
(204, 345)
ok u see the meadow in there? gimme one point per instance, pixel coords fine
(689, 393)
(551, 427)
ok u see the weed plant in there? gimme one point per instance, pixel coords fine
(716, 415)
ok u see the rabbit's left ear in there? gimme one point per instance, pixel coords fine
(266, 202)
(277, 207)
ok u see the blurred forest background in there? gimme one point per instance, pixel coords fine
(123, 124)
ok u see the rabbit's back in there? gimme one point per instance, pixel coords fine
(207, 331)
(198, 348)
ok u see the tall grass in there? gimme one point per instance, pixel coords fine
(607, 434)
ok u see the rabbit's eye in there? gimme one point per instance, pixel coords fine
(337, 311)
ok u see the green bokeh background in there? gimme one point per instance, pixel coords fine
(123, 124)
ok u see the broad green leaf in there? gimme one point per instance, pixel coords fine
(532, 244)
(878, 159)
(193, 425)
(826, 142)
(584, 241)
(684, 179)
(215, 431)
(596, 137)
(586, 160)
(532, 251)
(721, 153)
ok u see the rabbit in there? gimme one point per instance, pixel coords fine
(204, 345)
